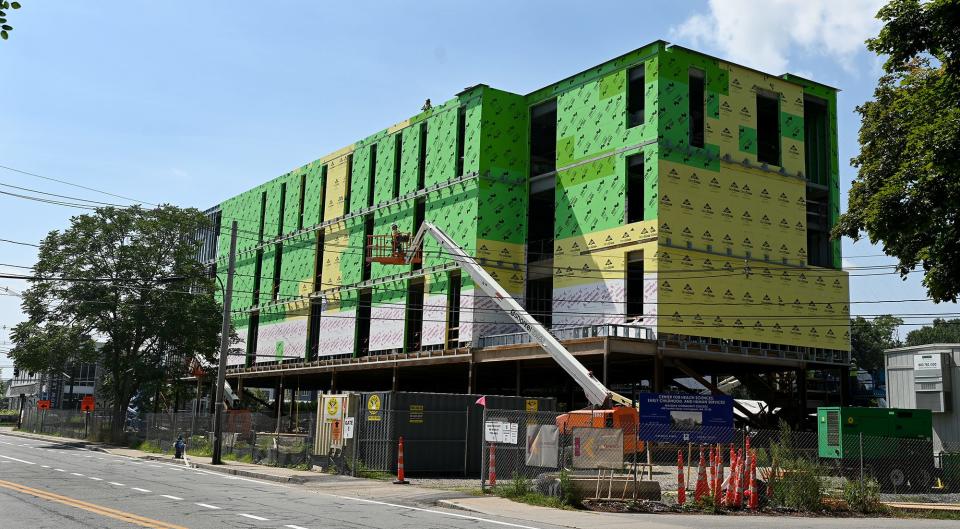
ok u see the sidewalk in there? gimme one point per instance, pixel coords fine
(318, 482)
(527, 515)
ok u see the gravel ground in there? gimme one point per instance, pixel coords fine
(922, 498)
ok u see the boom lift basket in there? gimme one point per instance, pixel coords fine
(391, 249)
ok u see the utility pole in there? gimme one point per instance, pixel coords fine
(224, 347)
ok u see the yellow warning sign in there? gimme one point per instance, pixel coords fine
(373, 408)
(332, 409)
(533, 405)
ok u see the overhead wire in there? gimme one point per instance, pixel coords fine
(79, 186)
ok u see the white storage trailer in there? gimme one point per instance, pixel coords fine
(927, 377)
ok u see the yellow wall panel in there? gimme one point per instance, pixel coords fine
(737, 208)
(600, 255)
(715, 296)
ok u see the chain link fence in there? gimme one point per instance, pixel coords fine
(611, 462)
(247, 437)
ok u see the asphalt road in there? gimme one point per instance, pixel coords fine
(63, 486)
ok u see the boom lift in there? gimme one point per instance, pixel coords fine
(610, 410)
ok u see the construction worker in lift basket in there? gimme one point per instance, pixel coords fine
(398, 240)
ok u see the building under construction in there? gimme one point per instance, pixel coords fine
(666, 214)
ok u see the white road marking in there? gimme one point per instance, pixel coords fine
(140, 490)
(19, 460)
(76, 474)
(117, 484)
(431, 511)
(207, 506)
(291, 526)
(172, 497)
(96, 479)
(60, 470)
(252, 517)
(45, 466)
(157, 466)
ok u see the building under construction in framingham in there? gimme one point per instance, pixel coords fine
(666, 214)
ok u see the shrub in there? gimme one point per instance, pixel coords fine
(863, 496)
(796, 479)
(568, 494)
(199, 446)
(519, 486)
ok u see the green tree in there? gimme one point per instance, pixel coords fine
(129, 278)
(942, 331)
(5, 28)
(908, 181)
(869, 338)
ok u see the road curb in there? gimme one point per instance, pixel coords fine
(450, 504)
(96, 447)
(224, 469)
(53, 438)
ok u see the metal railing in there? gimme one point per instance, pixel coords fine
(603, 330)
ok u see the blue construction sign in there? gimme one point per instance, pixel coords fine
(682, 418)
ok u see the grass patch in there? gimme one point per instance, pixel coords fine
(152, 447)
(520, 489)
(362, 471)
(245, 458)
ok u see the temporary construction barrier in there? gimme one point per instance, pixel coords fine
(681, 487)
(442, 432)
(401, 479)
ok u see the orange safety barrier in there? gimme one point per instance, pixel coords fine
(754, 499)
(738, 499)
(702, 489)
(731, 493)
(681, 487)
(711, 471)
(493, 466)
(401, 480)
(718, 476)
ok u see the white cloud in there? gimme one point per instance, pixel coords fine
(763, 33)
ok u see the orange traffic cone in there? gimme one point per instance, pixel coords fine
(681, 488)
(711, 471)
(401, 480)
(702, 488)
(738, 499)
(754, 500)
(493, 466)
(731, 492)
(718, 476)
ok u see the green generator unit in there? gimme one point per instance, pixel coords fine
(839, 430)
(897, 445)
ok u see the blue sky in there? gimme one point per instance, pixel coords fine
(192, 102)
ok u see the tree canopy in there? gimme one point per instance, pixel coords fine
(869, 338)
(5, 28)
(128, 278)
(907, 187)
(942, 331)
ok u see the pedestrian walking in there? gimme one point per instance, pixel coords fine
(178, 447)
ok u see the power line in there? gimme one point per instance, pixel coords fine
(48, 201)
(20, 243)
(8, 168)
(61, 196)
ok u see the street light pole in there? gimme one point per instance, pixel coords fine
(224, 346)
